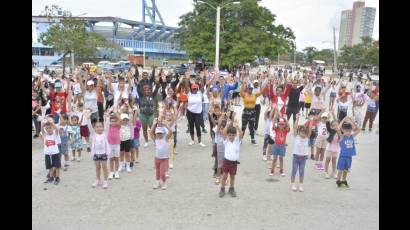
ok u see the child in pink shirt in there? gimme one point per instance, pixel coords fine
(113, 137)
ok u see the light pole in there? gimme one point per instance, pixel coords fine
(218, 21)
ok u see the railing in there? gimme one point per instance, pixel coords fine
(155, 47)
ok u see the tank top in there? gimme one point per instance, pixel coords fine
(347, 146)
(147, 105)
(162, 148)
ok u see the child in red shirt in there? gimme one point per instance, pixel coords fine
(280, 129)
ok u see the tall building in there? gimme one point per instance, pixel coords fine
(355, 24)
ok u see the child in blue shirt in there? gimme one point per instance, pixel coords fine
(347, 149)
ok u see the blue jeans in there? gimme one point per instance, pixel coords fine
(205, 111)
(298, 162)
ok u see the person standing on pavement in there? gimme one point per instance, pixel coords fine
(257, 89)
(194, 112)
(293, 103)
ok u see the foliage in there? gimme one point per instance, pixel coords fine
(365, 53)
(247, 31)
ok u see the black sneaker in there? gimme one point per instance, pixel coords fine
(89, 149)
(49, 180)
(370, 130)
(363, 129)
(339, 184)
(345, 183)
(204, 131)
(35, 136)
(312, 156)
(232, 192)
(222, 192)
(57, 180)
(253, 142)
(131, 164)
(187, 131)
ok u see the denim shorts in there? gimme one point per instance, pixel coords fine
(312, 141)
(344, 163)
(278, 150)
(135, 143)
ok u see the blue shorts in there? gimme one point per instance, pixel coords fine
(344, 163)
(312, 142)
(135, 143)
(278, 150)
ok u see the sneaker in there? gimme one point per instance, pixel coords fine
(294, 188)
(217, 181)
(171, 166)
(370, 130)
(78, 159)
(88, 149)
(282, 173)
(204, 131)
(96, 183)
(272, 172)
(232, 192)
(120, 168)
(363, 129)
(301, 188)
(131, 164)
(312, 157)
(335, 175)
(191, 142)
(146, 144)
(166, 175)
(320, 166)
(105, 184)
(264, 158)
(222, 192)
(253, 142)
(156, 185)
(339, 184)
(57, 181)
(137, 161)
(111, 175)
(35, 136)
(128, 169)
(187, 131)
(317, 167)
(164, 185)
(345, 183)
(73, 159)
(202, 144)
(117, 175)
(49, 180)
(327, 175)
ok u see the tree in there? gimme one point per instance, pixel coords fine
(247, 32)
(310, 52)
(324, 55)
(365, 53)
(71, 35)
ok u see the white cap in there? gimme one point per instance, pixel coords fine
(159, 130)
(90, 82)
(124, 116)
(325, 114)
(255, 81)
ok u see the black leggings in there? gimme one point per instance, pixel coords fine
(194, 119)
(258, 112)
(108, 104)
(100, 111)
(292, 111)
(248, 118)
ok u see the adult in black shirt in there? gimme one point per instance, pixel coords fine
(293, 103)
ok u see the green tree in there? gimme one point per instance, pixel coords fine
(310, 52)
(71, 35)
(365, 53)
(247, 32)
(324, 55)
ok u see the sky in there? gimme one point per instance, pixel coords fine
(311, 20)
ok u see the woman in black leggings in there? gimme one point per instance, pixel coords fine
(194, 112)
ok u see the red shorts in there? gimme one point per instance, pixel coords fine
(229, 167)
(84, 132)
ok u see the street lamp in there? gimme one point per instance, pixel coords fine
(218, 21)
(334, 50)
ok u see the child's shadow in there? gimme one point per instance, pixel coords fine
(272, 179)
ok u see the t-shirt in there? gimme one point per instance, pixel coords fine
(117, 92)
(58, 102)
(219, 140)
(268, 124)
(99, 144)
(343, 106)
(162, 147)
(281, 103)
(302, 97)
(317, 102)
(360, 99)
(114, 135)
(280, 135)
(347, 146)
(322, 130)
(125, 132)
(301, 146)
(77, 88)
(294, 97)
(371, 105)
(314, 128)
(90, 101)
(147, 105)
(64, 133)
(206, 100)
(232, 149)
(195, 102)
(258, 99)
(308, 98)
(50, 144)
(334, 145)
(137, 129)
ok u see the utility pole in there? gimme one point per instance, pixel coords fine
(334, 51)
(218, 21)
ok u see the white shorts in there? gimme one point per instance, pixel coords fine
(114, 151)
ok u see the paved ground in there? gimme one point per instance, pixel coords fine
(191, 200)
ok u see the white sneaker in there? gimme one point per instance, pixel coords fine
(117, 175)
(167, 175)
(300, 188)
(96, 183)
(191, 142)
(171, 166)
(327, 176)
(270, 174)
(120, 168)
(283, 174)
(129, 168)
(335, 175)
(265, 158)
(111, 175)
(202, 144)
(78, 159)
(164, 185)
(156, 185)
(294, 188)
(105, 184)
(146, 144)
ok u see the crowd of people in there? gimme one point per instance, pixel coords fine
(103, 114)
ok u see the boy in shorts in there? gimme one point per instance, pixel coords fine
(63, 131)
(52, 155)
(233, 137)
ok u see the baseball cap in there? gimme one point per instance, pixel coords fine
(57, 84)
(324, 114)
(90, 82)
(159, 130)
(124, 116)
(256, 81)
